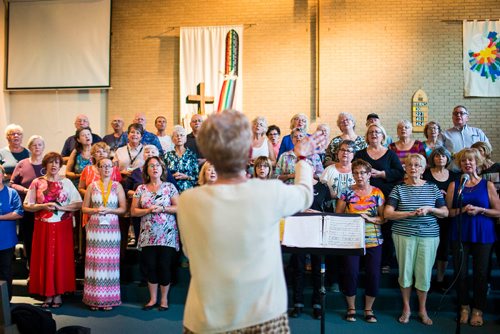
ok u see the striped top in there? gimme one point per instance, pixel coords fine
(405, 197)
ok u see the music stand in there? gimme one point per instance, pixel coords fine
(322, 252)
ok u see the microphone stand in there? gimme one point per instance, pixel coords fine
(461, 259)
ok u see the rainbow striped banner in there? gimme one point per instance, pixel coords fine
(228, 89)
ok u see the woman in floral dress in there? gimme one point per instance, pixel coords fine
(155, 202)
(182, 162)
(103, 202)
(53, 199)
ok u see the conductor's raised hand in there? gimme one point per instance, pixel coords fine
(310, 145)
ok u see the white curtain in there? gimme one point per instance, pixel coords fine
(202, 59)
(481, 58)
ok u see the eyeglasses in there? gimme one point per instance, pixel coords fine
(12, 134)
(414, 165)
(459, 113)
(154, 165)
(347, 151)
(374, 132)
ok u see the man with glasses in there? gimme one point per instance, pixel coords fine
(461, 135)
(81, 121)
(196, 121)
(119, 137)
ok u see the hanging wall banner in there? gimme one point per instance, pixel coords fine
(481, 58)
(202, 64)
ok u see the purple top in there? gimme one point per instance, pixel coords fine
(22, 176)
(478, 228)
(417, 147)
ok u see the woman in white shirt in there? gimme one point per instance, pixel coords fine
(232, 236)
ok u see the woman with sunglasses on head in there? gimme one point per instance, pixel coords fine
(104, 201)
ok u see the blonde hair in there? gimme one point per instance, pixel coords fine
(260, 118)
(380, 127)
(33, 138)
(100, 145)
(469, 153)
(297, 116)
(201, 176)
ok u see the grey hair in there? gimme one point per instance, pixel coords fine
(416, 156)
(179, 129)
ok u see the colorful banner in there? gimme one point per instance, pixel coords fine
(481, 57)
(203, 60)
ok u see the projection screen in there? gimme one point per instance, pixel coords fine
(55, 44)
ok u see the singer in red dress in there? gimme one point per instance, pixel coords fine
(53, 199)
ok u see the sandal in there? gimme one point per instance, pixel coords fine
(404, 318)
(476, 320)
(350, 315)
(424, 318)
(93, 308)
(47, 303)
(464, 314)
(107, 308)
(56, 305)
(370, 317)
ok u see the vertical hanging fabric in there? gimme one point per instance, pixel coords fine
(203, 59)
(481, 58)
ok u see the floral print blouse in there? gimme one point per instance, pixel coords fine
(158, 229)
(186, 164)
(62, 192)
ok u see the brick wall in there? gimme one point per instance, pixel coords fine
(374, 56)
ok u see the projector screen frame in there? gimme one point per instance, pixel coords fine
(55, 87)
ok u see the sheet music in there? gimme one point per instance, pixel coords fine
(329, 231)
(303, 231)
(343, 232)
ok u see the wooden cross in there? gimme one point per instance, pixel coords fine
(200, 99)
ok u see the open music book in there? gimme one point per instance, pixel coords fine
(345, 231)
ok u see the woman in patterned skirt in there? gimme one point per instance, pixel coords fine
(155, 202)
(103, 202)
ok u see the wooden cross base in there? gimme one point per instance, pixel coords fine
(200, 99)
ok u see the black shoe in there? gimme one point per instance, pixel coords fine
(317, 313)
(296, 312)
(148, 307)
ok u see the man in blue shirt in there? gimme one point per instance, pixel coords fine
(11, 209)
(461, 135)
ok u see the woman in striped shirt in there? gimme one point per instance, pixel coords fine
(414, 206)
